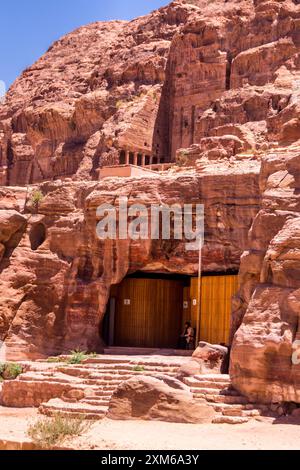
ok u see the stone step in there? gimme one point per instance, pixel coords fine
(252, 413)
(205, 391)
(231, 392)
(105, 391)
(220, 378)
(50, 379)
(96, 402)
(236, 410)
(220, 407)
(105, 360)
(230, 420)
(191, 382)
(99, 382)
(232, 412)
(123, 377)
(110, 378)
(111, 375)
(238, 400)
(133, 363)
(74, 409)
(101, 394)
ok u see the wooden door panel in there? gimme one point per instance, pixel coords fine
(216, 297)
(153, 318)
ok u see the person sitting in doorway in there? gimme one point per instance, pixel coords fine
(187, 339)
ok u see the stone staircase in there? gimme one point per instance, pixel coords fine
(98, 380)
(229, 405)
(85, 390)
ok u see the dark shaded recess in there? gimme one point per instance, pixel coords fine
(85, 270)
(228, 70)
(122, 160)
(37, 236)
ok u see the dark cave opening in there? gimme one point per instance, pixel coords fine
(37, 236)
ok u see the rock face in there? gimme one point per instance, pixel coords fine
(158, 399)
(212, 87)
(56, 282)
(265, 353)
(31, 393)
(189, 72)
(95, 90)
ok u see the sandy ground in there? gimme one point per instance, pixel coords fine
(139, 435)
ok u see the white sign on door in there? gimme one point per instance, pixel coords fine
(127, 302)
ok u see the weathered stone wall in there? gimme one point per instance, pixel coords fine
(55, 283)
(262, 362)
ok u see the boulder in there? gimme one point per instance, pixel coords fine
(158, 398)
(207, 359)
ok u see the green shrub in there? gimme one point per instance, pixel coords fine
(36, 197)
(77, 357)
(138, 369)
(10, 370)
(46, 433)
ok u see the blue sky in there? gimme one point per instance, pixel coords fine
(28, 27)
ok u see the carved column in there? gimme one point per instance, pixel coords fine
(143, 160)
(135, 159)
(127, 157)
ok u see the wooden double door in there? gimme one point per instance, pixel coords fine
(149, 313)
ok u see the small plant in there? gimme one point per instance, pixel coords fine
(10, 370)
(93, 355)
(46, 433)
(182, 158)
(36, 197)
(139, 369)
(2, 368)
(54, 360)
(77, 357)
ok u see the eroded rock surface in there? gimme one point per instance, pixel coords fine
(56, 282)
(265, 355)
(206, 359)
(161, 399)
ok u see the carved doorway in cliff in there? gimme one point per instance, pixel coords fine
(148, 311)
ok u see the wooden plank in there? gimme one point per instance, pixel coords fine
(216, 297)
(154, 316)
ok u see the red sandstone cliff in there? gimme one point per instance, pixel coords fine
(174, 78)
(214, 85)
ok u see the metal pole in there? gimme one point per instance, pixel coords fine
(199, 293)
